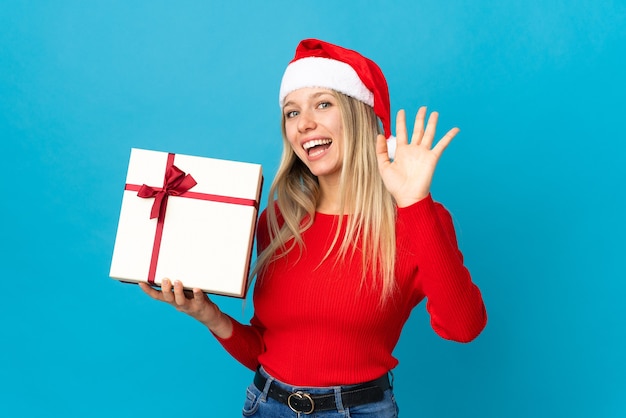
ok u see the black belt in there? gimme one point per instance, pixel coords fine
(305, 403)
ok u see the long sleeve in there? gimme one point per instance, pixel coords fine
(246, 343)
(454, 302)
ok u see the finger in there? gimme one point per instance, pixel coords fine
(418, 126)
(166, 291)
(179, 293)
(199, 298)
(198, 294)
(150, 291)
(381, 151)
(429, 133)
(445, 141)
(401, 134)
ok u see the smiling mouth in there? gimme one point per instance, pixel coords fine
(317, 146)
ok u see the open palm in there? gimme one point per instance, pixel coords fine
(409, 175)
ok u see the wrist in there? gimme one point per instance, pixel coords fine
(220, 326)
(406, 202)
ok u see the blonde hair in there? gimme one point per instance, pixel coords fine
(295, 191)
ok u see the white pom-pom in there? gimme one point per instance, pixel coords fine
(391, 147)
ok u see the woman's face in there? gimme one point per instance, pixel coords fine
(314, 129)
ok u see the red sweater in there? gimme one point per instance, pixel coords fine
(314, 326)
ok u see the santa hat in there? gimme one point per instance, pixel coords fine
(320, 64)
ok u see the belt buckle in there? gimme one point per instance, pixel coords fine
(301, 395)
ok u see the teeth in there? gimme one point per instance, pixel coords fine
(316, 142)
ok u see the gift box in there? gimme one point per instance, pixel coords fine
(187, 218)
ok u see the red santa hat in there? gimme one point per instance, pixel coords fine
(321, 64)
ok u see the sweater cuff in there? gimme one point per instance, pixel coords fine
(419, 207)
(245, 344)
(236, 324)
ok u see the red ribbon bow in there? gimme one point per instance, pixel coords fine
(176, 183)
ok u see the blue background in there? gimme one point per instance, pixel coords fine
(534, 182)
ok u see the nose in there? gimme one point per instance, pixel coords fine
(306, 121)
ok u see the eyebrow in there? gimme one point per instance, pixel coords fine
(312, 96)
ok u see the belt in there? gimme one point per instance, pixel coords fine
(305, 403)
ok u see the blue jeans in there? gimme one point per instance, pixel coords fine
(259, 405)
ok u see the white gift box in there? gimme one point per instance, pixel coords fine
(202, 236)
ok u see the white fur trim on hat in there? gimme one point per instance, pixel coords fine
(391, 147)
(325, 73)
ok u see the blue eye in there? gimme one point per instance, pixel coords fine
(291, 114)
(324, 105)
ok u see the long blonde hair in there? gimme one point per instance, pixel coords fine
(295, 191)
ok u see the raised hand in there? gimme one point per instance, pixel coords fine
(194, 303)
(409, 175)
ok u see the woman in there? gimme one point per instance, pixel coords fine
(350, 242)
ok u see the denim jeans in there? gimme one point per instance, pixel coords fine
(259, 405)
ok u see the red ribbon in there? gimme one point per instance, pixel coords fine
(176, 183)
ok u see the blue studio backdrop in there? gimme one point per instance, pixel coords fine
(535, 183)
